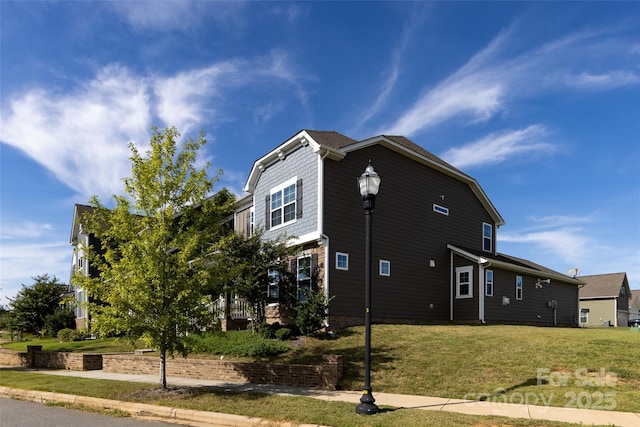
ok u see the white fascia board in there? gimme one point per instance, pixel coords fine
(475, 186)
(302, 138)
(468, 255)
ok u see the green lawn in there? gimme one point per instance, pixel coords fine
(293, 409)
(596, 368)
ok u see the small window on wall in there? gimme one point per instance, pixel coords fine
(385, 268)
(464, 282)
(488, 283)
(584, 315)
(342, 261)
(487, 237)
(518, 287)
(273, 290)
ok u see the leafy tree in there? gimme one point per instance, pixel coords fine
(241, 266)
(153, 246)
(31, 306)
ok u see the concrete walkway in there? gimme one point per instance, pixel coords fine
(471, 407)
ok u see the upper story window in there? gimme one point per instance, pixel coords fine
(487, 237)
(488, 283)
(464, 282)
(342, 261)
(385, 267)
(284, 204)
(518, 287)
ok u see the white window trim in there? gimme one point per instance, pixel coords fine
(490, 237)
(519, 286)
(338, 254)
(384, 261)
(293, 181)
(440, 209)
(465, 269)
(486, 281)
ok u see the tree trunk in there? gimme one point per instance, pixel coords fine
(163, 368)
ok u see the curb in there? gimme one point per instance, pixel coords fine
(144, 410)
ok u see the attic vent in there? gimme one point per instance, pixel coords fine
(440, 209)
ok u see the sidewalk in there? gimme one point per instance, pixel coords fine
(573, 415)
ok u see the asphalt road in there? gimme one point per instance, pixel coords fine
(19, 413)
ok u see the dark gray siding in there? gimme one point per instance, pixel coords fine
(533, 308)
(406, 231)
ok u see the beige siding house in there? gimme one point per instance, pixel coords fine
(604, 300)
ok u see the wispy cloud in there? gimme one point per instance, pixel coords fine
(17, 262)
(493, 79)
(568, 243)
(24, 230)
(603, 81)
(171, 15)
(498, 147)
(82, 135)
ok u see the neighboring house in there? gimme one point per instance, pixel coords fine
(634, 305)
(604, 300)
(79, 264)
(434, 236)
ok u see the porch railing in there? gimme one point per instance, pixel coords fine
(238, 308)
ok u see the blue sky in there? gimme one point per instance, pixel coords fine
(540, 102)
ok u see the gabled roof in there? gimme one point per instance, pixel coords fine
(78, 211)
(335, 146)
(603, 285)
(512, 263)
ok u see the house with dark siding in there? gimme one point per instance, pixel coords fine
(434, 236)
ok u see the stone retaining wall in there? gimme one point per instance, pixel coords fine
(324, 376)
(36, 358)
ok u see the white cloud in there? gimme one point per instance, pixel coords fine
(568, 243)
(184, 97)
(171, 15)
(82, 135)
(24, 230)
(603, 81)
(492, 80)
(499, 147)
(19, 261)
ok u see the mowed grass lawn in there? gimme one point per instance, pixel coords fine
(583, 368)
(596, 368)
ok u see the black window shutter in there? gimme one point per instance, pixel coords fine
(267, 212)
(294, 267)
(299, 198)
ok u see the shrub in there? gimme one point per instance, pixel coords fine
(66, 334)
(236, 343)
(284, 334)
(60, 319)
(311, 313)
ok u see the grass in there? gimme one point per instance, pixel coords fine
(101, 345)
(280, 408)
(596, 368)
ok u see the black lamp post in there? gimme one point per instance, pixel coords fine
(369, 183)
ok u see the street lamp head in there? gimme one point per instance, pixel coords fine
(369, 182)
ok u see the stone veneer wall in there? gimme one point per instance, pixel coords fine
(324, 376)
(13, 358)
(36, 358)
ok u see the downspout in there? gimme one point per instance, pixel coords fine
(451, 285)
(323, 237)
(483, 266)
(481, 293)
